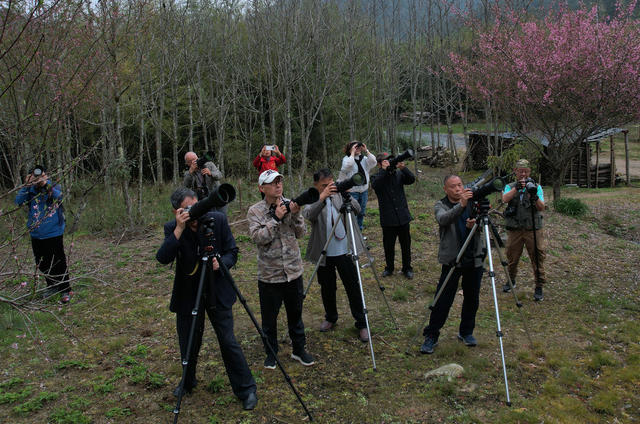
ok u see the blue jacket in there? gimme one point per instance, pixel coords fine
(186, 253)
(45, 217)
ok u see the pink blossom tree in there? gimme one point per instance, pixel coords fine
(562, 78)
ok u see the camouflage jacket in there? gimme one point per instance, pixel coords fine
(279, 257)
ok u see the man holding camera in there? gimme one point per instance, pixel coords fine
(395, 217)
(525, 201)
(46, 225)
(275, 224)
(202, 176)
(453, 214)
(269, 158)
(323, 215)
(184, 244)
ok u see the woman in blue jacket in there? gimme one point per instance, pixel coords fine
(46, 226)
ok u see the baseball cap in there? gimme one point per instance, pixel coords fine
(268, 176)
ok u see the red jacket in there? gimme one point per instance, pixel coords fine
(271, 162)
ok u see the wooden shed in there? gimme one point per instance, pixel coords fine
(478, 151)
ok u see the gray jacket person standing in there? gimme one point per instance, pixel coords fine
(203, 181)
(323, 215)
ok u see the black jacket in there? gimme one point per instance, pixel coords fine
(186, 252)
(392, 202)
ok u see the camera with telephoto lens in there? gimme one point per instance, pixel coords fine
(356, 179)
(486, 184)
(209, 156)
(307, 197)
(530, 186)
(224, 194)
(395, 160)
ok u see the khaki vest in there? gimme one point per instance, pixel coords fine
(517, 216)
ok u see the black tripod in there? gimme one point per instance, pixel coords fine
(346, 215)
(484, 222)
(207, 227)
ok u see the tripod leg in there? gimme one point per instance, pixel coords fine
(380, 286)
(194, 314)
(352, 240)
(492, 274)
(444, 284)
(499, 246)
(243, 301)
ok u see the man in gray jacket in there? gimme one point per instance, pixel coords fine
(323, 214)
(453, 214)
(202, 180)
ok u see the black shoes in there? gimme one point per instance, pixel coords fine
(429, 344)
(507, 288)
(387, 273)
(188, 388)
(468, 340)
(250, 402)
(537, 295)
(270, 362)
(408, 274)
(304, 358)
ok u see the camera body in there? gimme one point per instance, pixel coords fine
(270, 148)
(37, 172)
(531, 187)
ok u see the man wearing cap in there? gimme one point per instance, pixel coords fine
(275, 230)
(395, 217)
(323, 215)
(46, 226)
(521, 224)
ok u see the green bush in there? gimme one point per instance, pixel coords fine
(571, 207)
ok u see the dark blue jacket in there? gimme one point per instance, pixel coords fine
(45, 218)
(186, 253)
(392, 202)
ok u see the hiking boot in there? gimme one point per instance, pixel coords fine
(363, 335)
(408, 274)
(537, 295)
(326, 326)
(304, 358)
(270, 362)
(468, 340)
(429, 344)
(507, 288)
(250, 402)
(387, 273)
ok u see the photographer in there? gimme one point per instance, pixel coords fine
(323, 214)
(521, 225)
(453, 214)
(269, 158)
(275, 231)
(395, 217)
(202, 176)
(358, 159)
(46, 223)
(183, 243)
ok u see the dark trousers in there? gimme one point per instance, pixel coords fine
(238, 372)
(471, 278)
(389, 235)
(50, 258)
(272, 295)
(349, 276)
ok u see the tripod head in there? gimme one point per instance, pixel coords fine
(206, 227)
(480, 208)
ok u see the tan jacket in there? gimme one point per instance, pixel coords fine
(279, 258)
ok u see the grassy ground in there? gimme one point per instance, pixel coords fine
(113, 355)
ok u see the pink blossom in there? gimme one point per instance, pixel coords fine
(14, 346)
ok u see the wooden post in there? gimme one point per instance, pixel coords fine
(587, 159)
(626, 155)
(571, 169)
(597, 162)
(613, 161)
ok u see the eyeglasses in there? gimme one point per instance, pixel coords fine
(274, 182)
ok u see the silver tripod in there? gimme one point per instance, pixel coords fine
(346, 216)
(483, 222)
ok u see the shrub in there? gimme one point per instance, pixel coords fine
(571, 207)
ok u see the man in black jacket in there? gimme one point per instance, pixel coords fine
(183, 243)
(395, 217)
